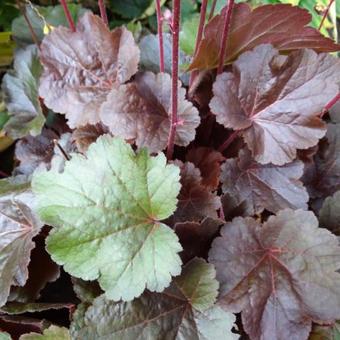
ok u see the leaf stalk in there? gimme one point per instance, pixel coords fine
(160, 35)
(68, 15)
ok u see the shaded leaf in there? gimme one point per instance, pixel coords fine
(325, 332)
(283, 26)
(21, 94)
(196, 237)
(264, 186)
(86, 291)
(86, 135)
(207, 160)
(195, 201)
(130, 9)
(15, 308)
(18, 226)
(53, 16)
(183, 311)
(275, 100)
(108, 217)
(81, 68)
(329, 215)
(141, 110)
(51, 333)
(37, 278)
(323, 176)
(281, 275)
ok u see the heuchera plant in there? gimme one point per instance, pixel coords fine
(173, 201)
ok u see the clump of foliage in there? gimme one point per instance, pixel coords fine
(157, 195)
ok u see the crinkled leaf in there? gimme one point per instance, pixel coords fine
(141, 110)
(262, 187)
(18, 225)
(81, 68)
(53, 15)
(51, 333)
(329, 215)
(207, 160)
(183, 311)
(282, 275)
(86, 135)
(21, 94)
(195, 201)
(283, 26)
(323, 176)
(107, 208)
(196, 237)
(275, 100)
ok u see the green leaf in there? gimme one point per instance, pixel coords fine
(329, 215)
(21, 94)
(188, 33)
(184, 311)
(130, 9)
(107, 207)
(51, 333)
(13, 308)
(5, 336)
(6, 49)
(39, 17)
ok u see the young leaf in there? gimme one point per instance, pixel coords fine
(264, 186)
(51, 333)
(183, 311)
(107, 208)
(21, 94)
(282, 275)
(18, 226)
(141, 110)
(329, 215)
(81, 68)
(274, 100)
(283, 26)
(207, 160)
(86, 135)
(196, 237)
(195, 201)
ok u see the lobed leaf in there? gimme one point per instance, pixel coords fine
(106, 208)
(183, 311)
(51, 333)
(82, 67)
(275, 100)
(281, 275)
(283, 26)
(262, 187)
(141, 110)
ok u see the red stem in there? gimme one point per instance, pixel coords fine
(203, 13)
(325, 14)
(174, 90)
(330, 104)
(227, 17)
(103, 14)
(229, 140)
(160, 35)
(68, 15)
(212, 10)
